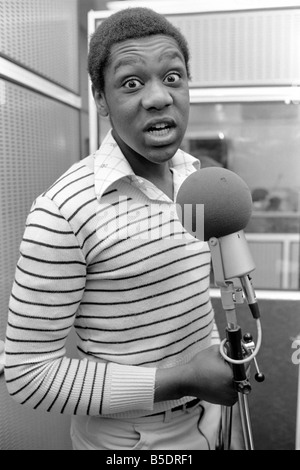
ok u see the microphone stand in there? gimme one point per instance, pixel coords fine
(236, 351)
(239, 351)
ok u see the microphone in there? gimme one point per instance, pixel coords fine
(227, 203)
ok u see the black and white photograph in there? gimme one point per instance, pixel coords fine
(149, 227)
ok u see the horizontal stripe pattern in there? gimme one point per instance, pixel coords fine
(126, 274)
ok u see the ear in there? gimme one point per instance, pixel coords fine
(100, 102)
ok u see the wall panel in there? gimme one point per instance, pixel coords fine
(254, 48)
(39, 140)
(42, 35)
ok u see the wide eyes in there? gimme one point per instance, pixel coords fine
(133, 84)
(172, 78)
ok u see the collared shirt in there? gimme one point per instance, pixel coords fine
(111, 165)
(104, 251)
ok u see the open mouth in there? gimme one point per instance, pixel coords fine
(160, 129)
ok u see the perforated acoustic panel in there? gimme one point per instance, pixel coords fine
(242, 48)
(42, 35)
(39, 140)
(252, 48)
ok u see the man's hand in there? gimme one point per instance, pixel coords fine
(210, 378)
(207, 376)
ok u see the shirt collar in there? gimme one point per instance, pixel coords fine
(110, 165)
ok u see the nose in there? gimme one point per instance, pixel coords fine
(157, 96)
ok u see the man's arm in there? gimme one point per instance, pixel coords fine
(47, 291)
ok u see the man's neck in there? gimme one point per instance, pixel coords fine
(157, 173)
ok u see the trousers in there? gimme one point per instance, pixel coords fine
(196, 428)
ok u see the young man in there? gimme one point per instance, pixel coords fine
(103, 250)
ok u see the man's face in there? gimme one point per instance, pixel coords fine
(146, 96)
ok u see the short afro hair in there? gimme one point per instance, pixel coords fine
(130, 23)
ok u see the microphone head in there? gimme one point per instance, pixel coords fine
(226, 198)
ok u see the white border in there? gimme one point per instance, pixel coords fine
(24, 77)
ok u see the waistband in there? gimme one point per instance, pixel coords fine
(186, 406)
(167, 415)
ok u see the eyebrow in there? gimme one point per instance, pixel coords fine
(128, 61)
(171, 55)
(135, 60)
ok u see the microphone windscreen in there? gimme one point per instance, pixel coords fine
(226, 198)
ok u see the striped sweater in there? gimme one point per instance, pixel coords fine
(103, 250)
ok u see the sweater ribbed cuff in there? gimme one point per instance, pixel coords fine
(128, 388)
